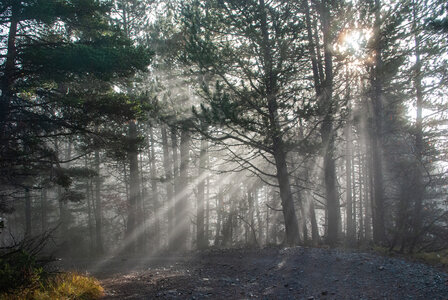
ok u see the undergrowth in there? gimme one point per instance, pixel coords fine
(22, 278)
(60, 286)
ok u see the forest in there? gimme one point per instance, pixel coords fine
(234, 129)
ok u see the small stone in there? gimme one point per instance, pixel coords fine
(311, 298)
(324, 293)
(381, 268)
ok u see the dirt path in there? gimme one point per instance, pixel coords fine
(294, 273)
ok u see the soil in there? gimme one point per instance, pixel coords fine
(289, 273)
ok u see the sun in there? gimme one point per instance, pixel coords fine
(352, 43)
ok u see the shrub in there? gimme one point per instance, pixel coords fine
(21, 277)
(19, 270)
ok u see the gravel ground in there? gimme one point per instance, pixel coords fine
(290, 273)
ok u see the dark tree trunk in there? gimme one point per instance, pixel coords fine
(27, 213)
(327, 132)
(379, 231)
(219, 217)
(8, 72)
(200, 235)
(323, 84)
(289, 213)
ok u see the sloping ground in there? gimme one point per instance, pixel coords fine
(291, 273)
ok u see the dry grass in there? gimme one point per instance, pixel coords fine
(61, 286)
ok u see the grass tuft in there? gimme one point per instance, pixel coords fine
(61, 286)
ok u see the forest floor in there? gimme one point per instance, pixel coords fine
(272, 273)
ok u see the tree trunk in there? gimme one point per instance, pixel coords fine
(348, 179)
(168, 166)
(219, 218)
(354, 210)
(98, 207)
(327, 132)
(419, 186)
(63, 216)
(207, 209)
(369, 196)
(8, 73)
(155, 191)
(259, 221)
(200, 235)
(27, 213)
(132, 234)
(177, 190)
(252, 239)
(89, 214)
(361, 185)
(314, 228)
(323, 84)
(379, 231)
(182, 218)
(44, 210)
(289, 213)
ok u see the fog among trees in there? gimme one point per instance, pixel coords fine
(144, 127)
